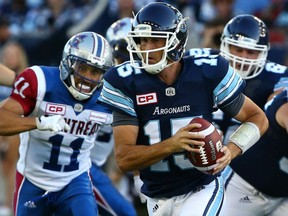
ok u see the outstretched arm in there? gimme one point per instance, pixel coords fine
(12, 120)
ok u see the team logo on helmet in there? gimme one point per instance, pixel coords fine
(77, 40)
(118, 27)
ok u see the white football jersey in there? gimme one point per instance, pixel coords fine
(104, 145)
(51, 160)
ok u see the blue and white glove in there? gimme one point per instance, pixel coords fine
(53, 123)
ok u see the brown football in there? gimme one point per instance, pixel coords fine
(210, 152)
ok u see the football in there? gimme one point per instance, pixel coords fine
(210, 152)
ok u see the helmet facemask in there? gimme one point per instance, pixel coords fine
(246, 68)
(147, 24)
(85, 55)
(134, 48)
(79, 83)
(247, 32)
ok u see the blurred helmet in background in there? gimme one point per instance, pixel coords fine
(116, 35)
(249, 32)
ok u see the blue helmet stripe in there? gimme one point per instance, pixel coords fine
(99, 46)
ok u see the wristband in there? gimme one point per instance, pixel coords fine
(245, 136)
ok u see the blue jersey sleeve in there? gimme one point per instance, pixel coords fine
(115, 79)
(226, 82)
(272, 107)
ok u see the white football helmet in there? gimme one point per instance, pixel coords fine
(84, 48)
(116, 35)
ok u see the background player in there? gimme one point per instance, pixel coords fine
(154, 99)
(258, 183)
(117, 38)
(246, 48)
(109, 200)
(52, 172)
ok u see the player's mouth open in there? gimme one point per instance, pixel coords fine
(84, 88)
(152, 60)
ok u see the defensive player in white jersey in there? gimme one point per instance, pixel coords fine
(109, 200)
(55, 110)
(154, 100)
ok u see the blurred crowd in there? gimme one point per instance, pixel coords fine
(34, 32)
(43, 26)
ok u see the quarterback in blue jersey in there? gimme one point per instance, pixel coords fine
(154, 100)
(55, 111)
(258, 185)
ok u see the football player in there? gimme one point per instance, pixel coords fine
(258, 184)
(247, 50)
(245, 43)
(116, 35)
(54, 109)
(154, 99)
(109, 200)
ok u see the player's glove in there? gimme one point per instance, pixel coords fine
(53, 123)
(138, 184)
